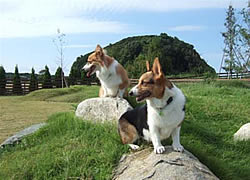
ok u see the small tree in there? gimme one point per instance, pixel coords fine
(236, 55)
(243, 39)
(229, 40)
(33, 81)
(17, 86)
(58, 76)
(2, 81)
(73, 75)
(59, 42)
(47, 83)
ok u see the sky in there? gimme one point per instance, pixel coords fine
(28, 27)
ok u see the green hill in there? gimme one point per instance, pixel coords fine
(176, 56)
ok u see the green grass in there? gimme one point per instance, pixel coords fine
(214, 113)
(71, 148)
(66, 148)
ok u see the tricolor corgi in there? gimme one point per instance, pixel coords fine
(160, 117)
(113, 77)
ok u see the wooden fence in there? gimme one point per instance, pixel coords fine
(245, 75)
(25, 83)
(221, 76)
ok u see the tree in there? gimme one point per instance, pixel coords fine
(243, 39)
(2, 81)
(229, 40)
(33, 81)
(73, 75)
(59, 42)
(47, 83)
(17, 86)
(58, 81)
(237, 42)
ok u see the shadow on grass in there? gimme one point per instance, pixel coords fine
(213, 150)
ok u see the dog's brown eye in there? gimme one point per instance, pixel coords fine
(151, 81)
(142, 82)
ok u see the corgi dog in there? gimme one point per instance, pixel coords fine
(160, 117)
(113, 77)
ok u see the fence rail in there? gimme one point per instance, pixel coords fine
(25, 83)
(244, 75)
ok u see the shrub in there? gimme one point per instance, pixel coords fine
(47, 83)
(2, 81)
(33, 81)
(17, 86)
(58, 78)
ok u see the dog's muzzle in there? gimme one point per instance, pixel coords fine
(90, 69)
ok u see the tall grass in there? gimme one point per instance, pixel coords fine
(214, 113)
(66, 148)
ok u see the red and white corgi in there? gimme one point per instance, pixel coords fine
(160, 117)
(113, 77)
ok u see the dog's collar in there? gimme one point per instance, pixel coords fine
(170, 99)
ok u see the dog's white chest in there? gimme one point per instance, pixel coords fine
(165, 120)
(109, 78)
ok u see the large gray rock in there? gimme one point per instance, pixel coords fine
(102, 109)
(18, 137)
(171, 165)
(243, 133)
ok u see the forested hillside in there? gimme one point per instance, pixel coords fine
(176, 56)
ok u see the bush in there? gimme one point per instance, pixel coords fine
(58, 78)
(17, 86)
(33, 81)
(2, 81)
(47, 83)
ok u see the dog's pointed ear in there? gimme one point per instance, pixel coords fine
(99, 51)
(157, 67)
(148, 66)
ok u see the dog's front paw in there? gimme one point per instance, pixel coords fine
(159, 150)
(178, 148)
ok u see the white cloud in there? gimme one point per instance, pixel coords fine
(18, 27)
(28, 18)
(187, 28)
(81, 46)
(43, 18)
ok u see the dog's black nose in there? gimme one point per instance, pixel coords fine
(131, 93)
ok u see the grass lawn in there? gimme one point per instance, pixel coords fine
(69, 148)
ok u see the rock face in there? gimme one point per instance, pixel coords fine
(18, 137)
(171, 165)
(102, 109)
(243, 133)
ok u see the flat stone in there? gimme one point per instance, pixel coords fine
(19, 136)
